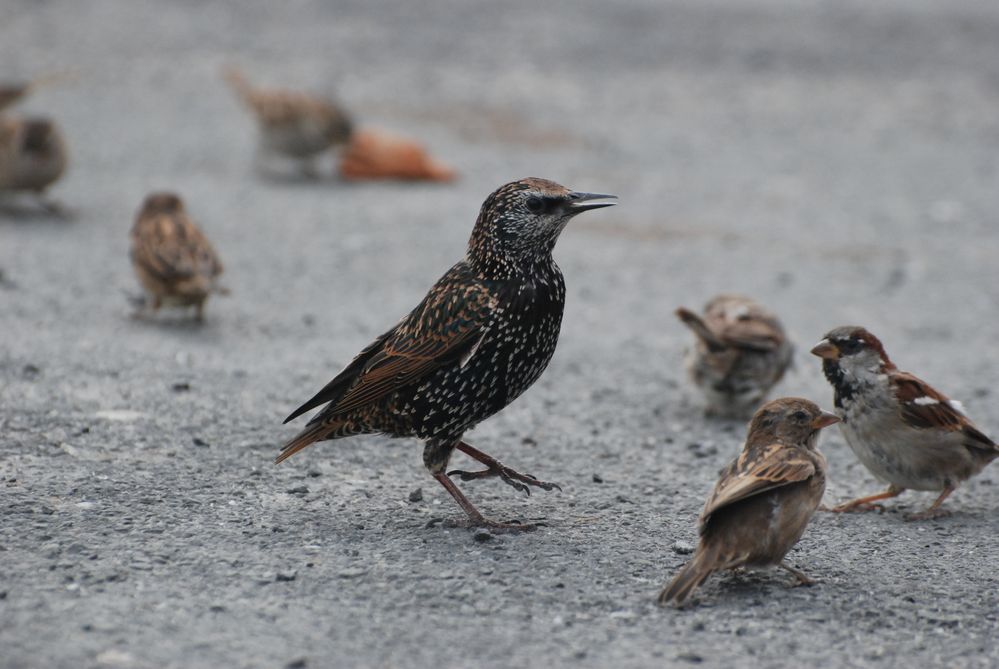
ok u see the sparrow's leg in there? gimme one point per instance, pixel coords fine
(803, 579)
(435, 457)
(866, 503)
(934, 511)
(496, 468)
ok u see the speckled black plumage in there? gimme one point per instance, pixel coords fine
(483, 334)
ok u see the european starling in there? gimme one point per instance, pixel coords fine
(172, 258)
(741, 352)
(483, 334)
(292, 124)
(907, 433)
(763, 500)
(32, 156)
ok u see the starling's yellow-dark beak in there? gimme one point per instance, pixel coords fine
(824, 419)
(827, 350)
(580, 202)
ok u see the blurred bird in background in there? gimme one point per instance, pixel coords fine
(172, 258)
(741, 352)
(33, 156)
(293, 124)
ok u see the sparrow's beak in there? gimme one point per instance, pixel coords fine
(580, 202)
(824, 419)
(826, 349)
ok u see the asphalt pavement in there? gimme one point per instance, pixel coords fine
(838, 161)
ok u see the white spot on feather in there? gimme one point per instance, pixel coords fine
(924, 401)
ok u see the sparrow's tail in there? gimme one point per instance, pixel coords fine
(700, 328)
(690, 576)
(239, 84)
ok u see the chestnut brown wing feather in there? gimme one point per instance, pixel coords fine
(443, 329)
(756, 471)
(939, 414)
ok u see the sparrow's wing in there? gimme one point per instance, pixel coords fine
(925, 407)
(445, 328)
(171, 248)
(753, 332)
(757, 470)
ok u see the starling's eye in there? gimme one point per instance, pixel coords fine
(534, 204)
(799, 416)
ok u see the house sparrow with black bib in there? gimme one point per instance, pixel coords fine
(172, 258)
(763, 500)
(741, 352)
(905, 432)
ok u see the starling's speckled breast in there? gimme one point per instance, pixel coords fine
(519, 337)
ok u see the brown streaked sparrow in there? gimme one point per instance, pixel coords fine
(763, 500)
(741, 352)
(292, 124)
(172, 258)
(32, 156)
(905, 432)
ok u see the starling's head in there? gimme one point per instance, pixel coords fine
(523, 219)
(161, 203)
(790, 420)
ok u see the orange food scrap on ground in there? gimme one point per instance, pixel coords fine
(374, 154)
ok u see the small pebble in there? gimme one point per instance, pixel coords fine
(682, 547)
(482, 535)
(286, 576)
(597, 478)
(298, 490)
(416, 495)
(198, 441)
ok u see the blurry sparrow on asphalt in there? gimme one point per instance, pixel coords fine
(763, 500)
(32, 156)
(905, 432)
(173, 260)
(740, 354)
(292, 124)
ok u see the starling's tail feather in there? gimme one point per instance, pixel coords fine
(700, 328)
(310, 435)
(690, 576)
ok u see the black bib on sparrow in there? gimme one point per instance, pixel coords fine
(483, 334)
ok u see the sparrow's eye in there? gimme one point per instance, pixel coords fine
(534, 204)
(849, 346)
(799, 417)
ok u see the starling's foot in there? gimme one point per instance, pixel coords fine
(509, 476)
(492, 525)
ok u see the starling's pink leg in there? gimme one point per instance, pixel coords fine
(496, 468)
(473, 514)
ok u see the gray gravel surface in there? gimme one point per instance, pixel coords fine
(839, 161)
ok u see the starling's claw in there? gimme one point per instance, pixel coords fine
(509, 476)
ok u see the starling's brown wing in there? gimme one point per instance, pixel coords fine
(445, 328)
(757, 470)
(925, 407)
(170, 248)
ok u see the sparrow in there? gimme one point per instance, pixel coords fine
(741, 352)
(483, 334)
(292, 124)
(32, 156)
(763, 500)
(908, 434)
(174, 261)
